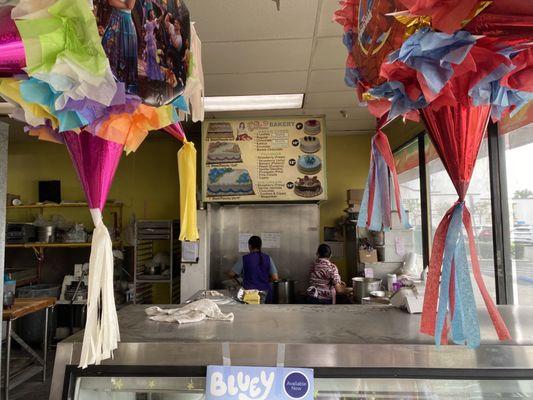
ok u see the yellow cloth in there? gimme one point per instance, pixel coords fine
(187, 177)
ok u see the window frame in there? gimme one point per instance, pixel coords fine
(501, 232)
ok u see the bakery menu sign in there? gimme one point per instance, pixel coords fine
(250, 160)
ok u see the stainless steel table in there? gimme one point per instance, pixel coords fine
(343, 336)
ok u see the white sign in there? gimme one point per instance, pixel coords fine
(243, 242)
(190, 251)
(271, 240)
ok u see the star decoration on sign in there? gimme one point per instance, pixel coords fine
(190, 385)
(151, 384)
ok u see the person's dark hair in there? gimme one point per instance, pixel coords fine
(255, 243)
(324, 251)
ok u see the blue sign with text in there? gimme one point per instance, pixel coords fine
(259, 383)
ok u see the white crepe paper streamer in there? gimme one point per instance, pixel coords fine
(194, 88)
(101, 334)
(32, 9)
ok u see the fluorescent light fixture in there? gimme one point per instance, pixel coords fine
(247, 103)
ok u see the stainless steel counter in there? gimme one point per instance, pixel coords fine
(314, 336)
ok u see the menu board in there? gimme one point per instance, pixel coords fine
(268, 159)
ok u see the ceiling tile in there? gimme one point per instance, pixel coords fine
(327, 80)
(352, 112)
(326, 25)
(329, 53)
(259, 56)
(255, 83)
(330, 100)
(237, 20)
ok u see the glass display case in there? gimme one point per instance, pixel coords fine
(330, 384)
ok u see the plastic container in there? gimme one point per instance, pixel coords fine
(10, 286)
(31, 327)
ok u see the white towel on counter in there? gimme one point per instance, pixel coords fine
(197, 311)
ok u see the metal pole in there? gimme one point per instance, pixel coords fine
(45, 342)
(4, 135)
(8, 360)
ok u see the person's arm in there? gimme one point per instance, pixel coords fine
(237, 269)
(273, 270)
(340, 286)
(128, 5)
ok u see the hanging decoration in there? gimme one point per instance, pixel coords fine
(187, 177)
(148, 45)
(382, 191)
(12, 55)
(96, 161)
(443, 70)
(58, 76)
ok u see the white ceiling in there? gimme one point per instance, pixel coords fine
(249, 47)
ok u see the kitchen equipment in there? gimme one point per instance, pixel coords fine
(363, 286)
(30, 327)
(46, 234)
(391, 280)
(20, 233)
(375, 300)
(283, 291)
(377, 293)
(152, 269)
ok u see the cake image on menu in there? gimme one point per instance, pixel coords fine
(229, 182)
(223, 153)
(219, 130)
(312, 127)
(309, 164)
(310, 144)
(308, 187)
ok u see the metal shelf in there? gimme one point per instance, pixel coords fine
(56, 245)
(58, 205)
(147, 232)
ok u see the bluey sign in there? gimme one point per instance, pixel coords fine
(259, 383)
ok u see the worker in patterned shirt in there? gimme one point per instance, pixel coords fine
(324, 280)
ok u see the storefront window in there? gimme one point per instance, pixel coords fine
(518, 156)
(407, 167)
(442, 195)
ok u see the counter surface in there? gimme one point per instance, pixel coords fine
(340, 324)
(342, 336)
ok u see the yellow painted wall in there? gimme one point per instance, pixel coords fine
(347, 160)
(146, 182)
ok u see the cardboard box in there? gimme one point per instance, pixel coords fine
(368, 256)
(355, 196)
